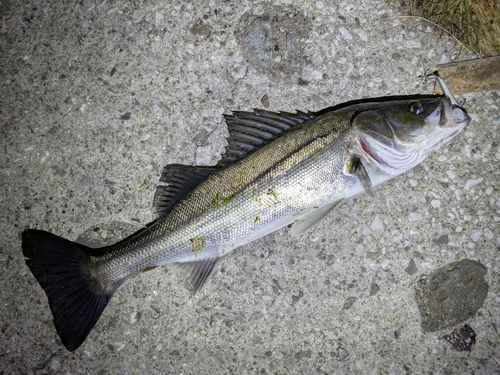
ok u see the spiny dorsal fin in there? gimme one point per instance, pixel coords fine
(249, 131)
(176, 182)
(198, 272)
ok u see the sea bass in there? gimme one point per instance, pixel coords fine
(278, 169)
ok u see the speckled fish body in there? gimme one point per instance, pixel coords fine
(279, 169)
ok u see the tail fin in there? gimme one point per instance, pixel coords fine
(56, 264)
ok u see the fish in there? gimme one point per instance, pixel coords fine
(279, 169)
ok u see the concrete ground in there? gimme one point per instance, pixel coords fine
(97, 96)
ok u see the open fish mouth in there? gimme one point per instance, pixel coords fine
(459, 113)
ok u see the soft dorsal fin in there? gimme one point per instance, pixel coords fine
(176, 182)
(249, 131)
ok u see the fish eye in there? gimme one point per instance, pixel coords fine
(416, 108)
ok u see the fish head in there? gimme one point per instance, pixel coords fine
(397, 135)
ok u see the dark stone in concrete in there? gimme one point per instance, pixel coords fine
(451, 294)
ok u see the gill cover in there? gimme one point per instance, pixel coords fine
(399, 135)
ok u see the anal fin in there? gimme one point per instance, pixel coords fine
(198, 272)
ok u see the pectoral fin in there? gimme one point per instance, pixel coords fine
(354, 166)
(314, 217)
(360, 171)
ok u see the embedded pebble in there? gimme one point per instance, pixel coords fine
(278, 271)
(345, 34)
(238, 71)
(204, 155)
(476, 235)
(158, 19)
(134, 317)
(471, 183)
(373, 266)
(466, 150)
(316, 59)
(435, 203)
(137, 16)
(412, 268)
(377, 224)
(157, 110)
(155, 47)
(55, 365)
(338, 268)
(488, 234)
(414, 216)
(413, 43)
(362, 34)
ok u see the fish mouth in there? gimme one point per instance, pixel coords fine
(460, 118)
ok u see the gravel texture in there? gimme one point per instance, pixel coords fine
(97, 96)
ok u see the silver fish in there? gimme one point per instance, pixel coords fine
(278, 169)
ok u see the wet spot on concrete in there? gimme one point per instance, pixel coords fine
(200, 27)
(274, 42)
(451, 294)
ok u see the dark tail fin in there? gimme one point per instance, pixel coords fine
(57, 265)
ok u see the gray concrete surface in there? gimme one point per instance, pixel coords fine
(97, 96)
